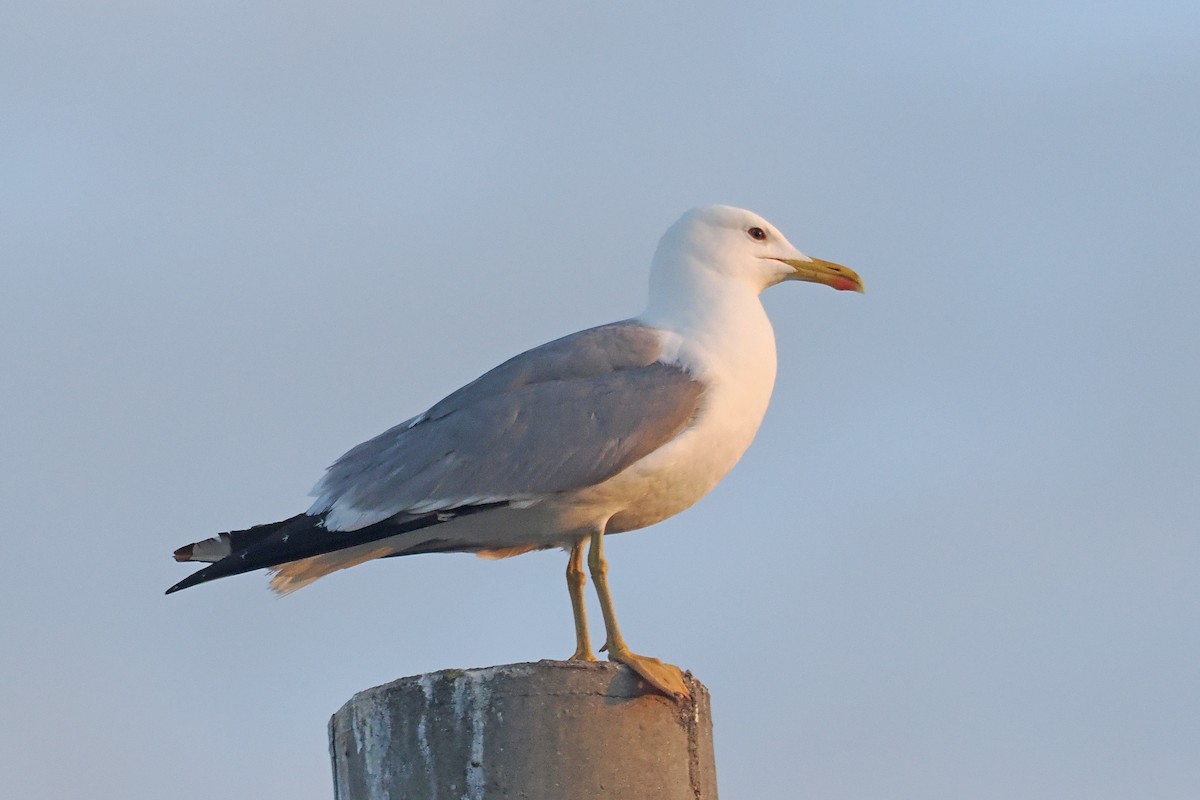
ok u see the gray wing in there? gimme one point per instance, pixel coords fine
(562, 416)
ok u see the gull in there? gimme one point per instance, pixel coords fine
(607, 430)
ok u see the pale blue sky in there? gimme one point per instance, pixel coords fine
(961, 559)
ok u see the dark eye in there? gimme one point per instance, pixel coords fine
(757, 234)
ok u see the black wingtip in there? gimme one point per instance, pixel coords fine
(245, 543)
(183, 584)
(209, 573)
(304, 536)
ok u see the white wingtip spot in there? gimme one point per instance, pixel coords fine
(211, 550)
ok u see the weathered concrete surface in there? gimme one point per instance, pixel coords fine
(554, 730)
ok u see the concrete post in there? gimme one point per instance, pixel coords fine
(554, 730)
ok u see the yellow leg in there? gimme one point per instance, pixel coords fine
(576, 580)
(666, 678)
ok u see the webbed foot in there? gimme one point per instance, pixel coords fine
(666, 678)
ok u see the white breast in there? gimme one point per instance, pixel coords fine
(734, 357)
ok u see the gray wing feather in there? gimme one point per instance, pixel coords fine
(562, 416)
(595, 351)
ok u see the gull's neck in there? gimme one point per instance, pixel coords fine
(712, 320)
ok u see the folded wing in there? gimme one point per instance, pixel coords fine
(566, 415)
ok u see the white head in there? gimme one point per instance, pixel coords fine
(736, 248)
